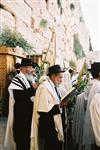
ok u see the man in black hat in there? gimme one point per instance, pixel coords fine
(47, 121)
(21, 91)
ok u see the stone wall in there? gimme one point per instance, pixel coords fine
(57, 32)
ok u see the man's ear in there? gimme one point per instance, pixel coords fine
(53, 75)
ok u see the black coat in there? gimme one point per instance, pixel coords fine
(47, 131)
(23, 109)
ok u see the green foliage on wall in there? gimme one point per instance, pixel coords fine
(81, 19)
(59, 3)
(78, 49)
(13, 39)
(72, 64)
(59, 6)
(43, 23)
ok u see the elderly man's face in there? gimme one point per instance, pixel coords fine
(28, 69)
(57, 79)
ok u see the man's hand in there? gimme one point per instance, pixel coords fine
(35, 85)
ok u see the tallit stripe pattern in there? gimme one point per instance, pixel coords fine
(17, 82)
(21, 82)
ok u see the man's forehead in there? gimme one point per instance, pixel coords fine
(60, 75)
(28, 66)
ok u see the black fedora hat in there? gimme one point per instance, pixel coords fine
(26, 62)
(17, 65)
(54, 69)
(35, 65)
(95, 67)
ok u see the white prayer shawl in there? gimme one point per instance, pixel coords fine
(9, 141)
(95, 117)
(79, 114)
(78, 121)
(45, 99)
(88, 134)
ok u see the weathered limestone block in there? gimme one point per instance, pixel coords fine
(6, 19)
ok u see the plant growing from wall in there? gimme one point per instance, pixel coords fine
(72, 64)
(13, 39)
(72, 6)
(78, 49)
(59, 5)
(43, 23)
(81, 19)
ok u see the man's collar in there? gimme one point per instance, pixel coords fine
(22, 75)
(51, 82)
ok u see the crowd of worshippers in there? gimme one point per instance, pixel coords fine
(37, 117)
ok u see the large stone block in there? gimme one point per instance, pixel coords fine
(7, 19)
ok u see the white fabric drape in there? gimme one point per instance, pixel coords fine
(88, 134)
(95, 117)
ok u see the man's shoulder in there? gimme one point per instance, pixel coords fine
(18, 79)
(42, 86)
